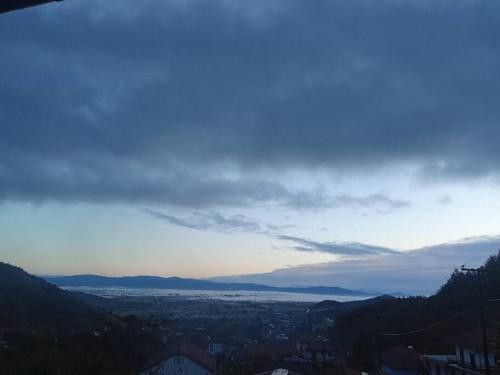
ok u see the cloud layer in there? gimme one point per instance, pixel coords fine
(217, 222)
(196, 103)
(349, 249)
(419, 271)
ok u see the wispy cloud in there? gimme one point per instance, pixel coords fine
(370, 201)
(322, 199)
(445, 199)
(217, 222)
(350, 249)
(210, 221)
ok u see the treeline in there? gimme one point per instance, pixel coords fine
(119, 351)
(47, 331)
(453, 309)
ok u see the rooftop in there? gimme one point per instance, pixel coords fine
(186, 349)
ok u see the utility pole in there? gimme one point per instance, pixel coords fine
(411, 347)
(379, 344)
(478, 272)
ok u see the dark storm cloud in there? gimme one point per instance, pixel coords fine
(110, 180)
(349, 249)
(192, 102)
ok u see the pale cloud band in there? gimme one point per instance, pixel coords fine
(419, 271)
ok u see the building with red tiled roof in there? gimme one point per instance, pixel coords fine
(183, 358)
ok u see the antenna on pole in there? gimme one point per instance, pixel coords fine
(478, 272)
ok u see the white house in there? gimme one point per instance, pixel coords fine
(469, 352)
(468, 358)
(319, 352)
(215, 348)
(184, 358)
(439, 364)
(279, 371)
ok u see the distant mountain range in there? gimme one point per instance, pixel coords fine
(177, 283)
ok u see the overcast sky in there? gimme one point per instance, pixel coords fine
(326, 141)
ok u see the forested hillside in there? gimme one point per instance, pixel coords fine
(452, 309)
(45, 330)
(27, 301)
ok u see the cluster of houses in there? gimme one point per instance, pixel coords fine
(184, 358)
(467, 359)
(187, 358)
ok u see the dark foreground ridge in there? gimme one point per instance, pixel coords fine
(46, 330)
(30, 302)
(154, 282)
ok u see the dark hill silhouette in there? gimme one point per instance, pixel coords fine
(332, 309)
(397, 315)
(30, 302)
(46, 330)
(461, 288)
(155, 282)
(331, 305)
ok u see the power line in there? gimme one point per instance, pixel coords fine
(434, 325)
(437, 324)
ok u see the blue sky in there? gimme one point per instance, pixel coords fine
(291, 141)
